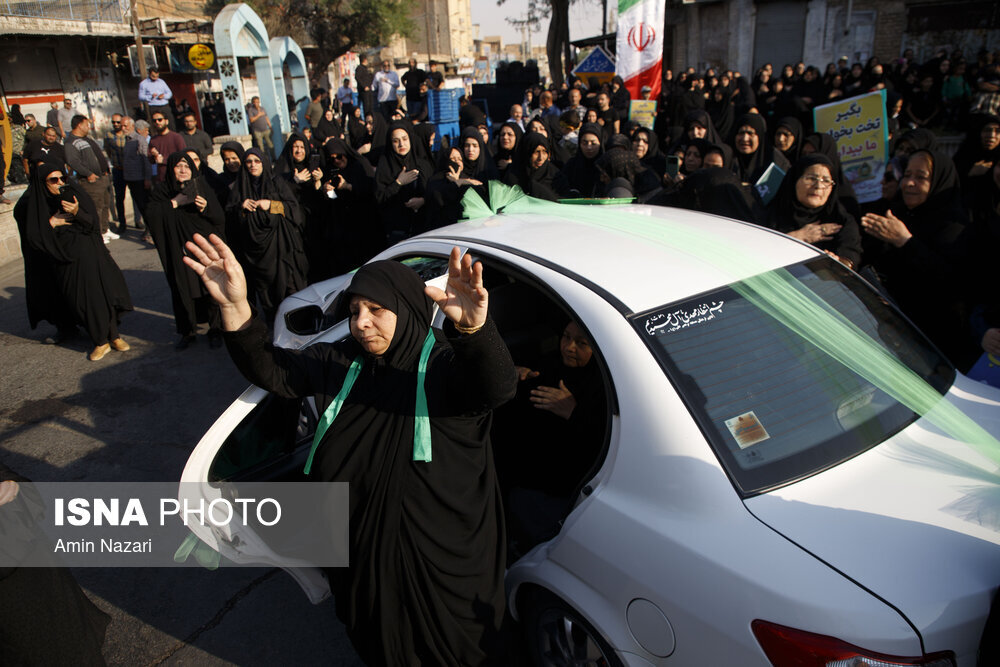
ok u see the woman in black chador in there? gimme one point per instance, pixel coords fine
(70, 277)
(400, 180)
(180, 207)
(425, 583)
(265, 227)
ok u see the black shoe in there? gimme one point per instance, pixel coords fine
(121, 229)
(185, 342)
(139, 225)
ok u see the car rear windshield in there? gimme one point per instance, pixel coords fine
(774, 401)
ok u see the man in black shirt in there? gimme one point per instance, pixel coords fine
(48, 149)
(434, 77)
(412, 79)
(364, 77)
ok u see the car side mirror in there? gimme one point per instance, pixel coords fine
(305, 321)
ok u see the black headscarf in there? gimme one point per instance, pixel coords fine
(972, 151)
(787, 214)
(751, 167)
(235, 147)
(421, 134)
(391, 163)
(482, 168)
(826, 145)
(41, 205)
(580, 176)
(327, 128)
(535, 182)
(944, 199)
(793, 125)
(701, 117)
(714, 190)
(620, 162)
(919, 139)
(703, 146)
(653, 159)
(355, 161)
(287, 165)
(503, 153)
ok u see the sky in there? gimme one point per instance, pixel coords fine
(584, 19)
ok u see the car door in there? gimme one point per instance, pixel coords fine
(263, 437)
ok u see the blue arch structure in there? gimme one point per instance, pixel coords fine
(285, 51)
(239, 33)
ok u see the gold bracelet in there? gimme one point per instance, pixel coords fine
(466, 330)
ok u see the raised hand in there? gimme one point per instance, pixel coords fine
(222, 274)
(464, 300)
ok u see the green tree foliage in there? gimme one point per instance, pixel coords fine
(333, 27)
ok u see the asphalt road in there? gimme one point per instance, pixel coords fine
(136, 416)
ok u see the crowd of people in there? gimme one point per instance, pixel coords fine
(361, 176)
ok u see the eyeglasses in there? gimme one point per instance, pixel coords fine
(159, 120)
(116, 122)
(55, 179)
(822, 182)
(337, 157)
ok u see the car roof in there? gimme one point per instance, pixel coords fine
(643, 256)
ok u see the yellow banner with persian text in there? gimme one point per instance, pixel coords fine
(858, 126)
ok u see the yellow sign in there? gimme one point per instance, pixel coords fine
(858, 126)
(201, 57)
(642, 112)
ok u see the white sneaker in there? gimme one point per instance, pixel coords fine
(105, 238)
(111, 235)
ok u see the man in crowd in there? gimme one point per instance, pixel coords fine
(260, 127)
(114, 146)
(363, 77)
(162, 144)
(412, 78)
(194, 137)
(606, 116)
(345, 98)
(314, 112)
(33, 131)
(52, 118)
(92, 168)
(517, 116)
(46, 149)
(66, 118)
(154, 92)
(137, 169)
(573, 97)
(386, 83)
(434, 77)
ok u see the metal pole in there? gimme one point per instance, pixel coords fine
(427, 25)
(140, 54)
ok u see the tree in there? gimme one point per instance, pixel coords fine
(332, 27)
(557, 41)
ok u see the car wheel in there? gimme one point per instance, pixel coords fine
(556, 636)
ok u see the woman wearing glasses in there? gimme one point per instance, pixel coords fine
(70, 277)
(807, 208)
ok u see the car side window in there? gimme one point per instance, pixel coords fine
(545, 452)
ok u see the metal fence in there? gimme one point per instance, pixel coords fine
(108, 11)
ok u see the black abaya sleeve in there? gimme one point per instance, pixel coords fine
(481, 373)
(288, 373)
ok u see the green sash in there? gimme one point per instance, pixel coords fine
(421, 419)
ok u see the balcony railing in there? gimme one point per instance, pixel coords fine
(106, 11)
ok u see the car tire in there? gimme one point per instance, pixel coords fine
(555, 635)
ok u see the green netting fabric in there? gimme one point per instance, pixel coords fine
(206, 556)
(776, 293)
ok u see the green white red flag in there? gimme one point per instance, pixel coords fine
(640, 45)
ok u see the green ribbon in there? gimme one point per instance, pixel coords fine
(776, 292)
(422, 419)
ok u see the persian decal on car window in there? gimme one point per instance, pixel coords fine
(747, 429)
(682, 318)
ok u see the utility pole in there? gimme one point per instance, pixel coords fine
(427, 24)
(138, 39)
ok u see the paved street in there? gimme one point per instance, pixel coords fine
(135, 416)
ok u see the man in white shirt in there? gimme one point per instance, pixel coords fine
(386, 83)
(345, 96)
(154, 92)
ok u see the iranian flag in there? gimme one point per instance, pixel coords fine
(640, 45)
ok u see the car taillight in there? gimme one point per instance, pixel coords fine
(788, 647)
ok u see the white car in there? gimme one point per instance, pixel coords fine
(780, 481)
